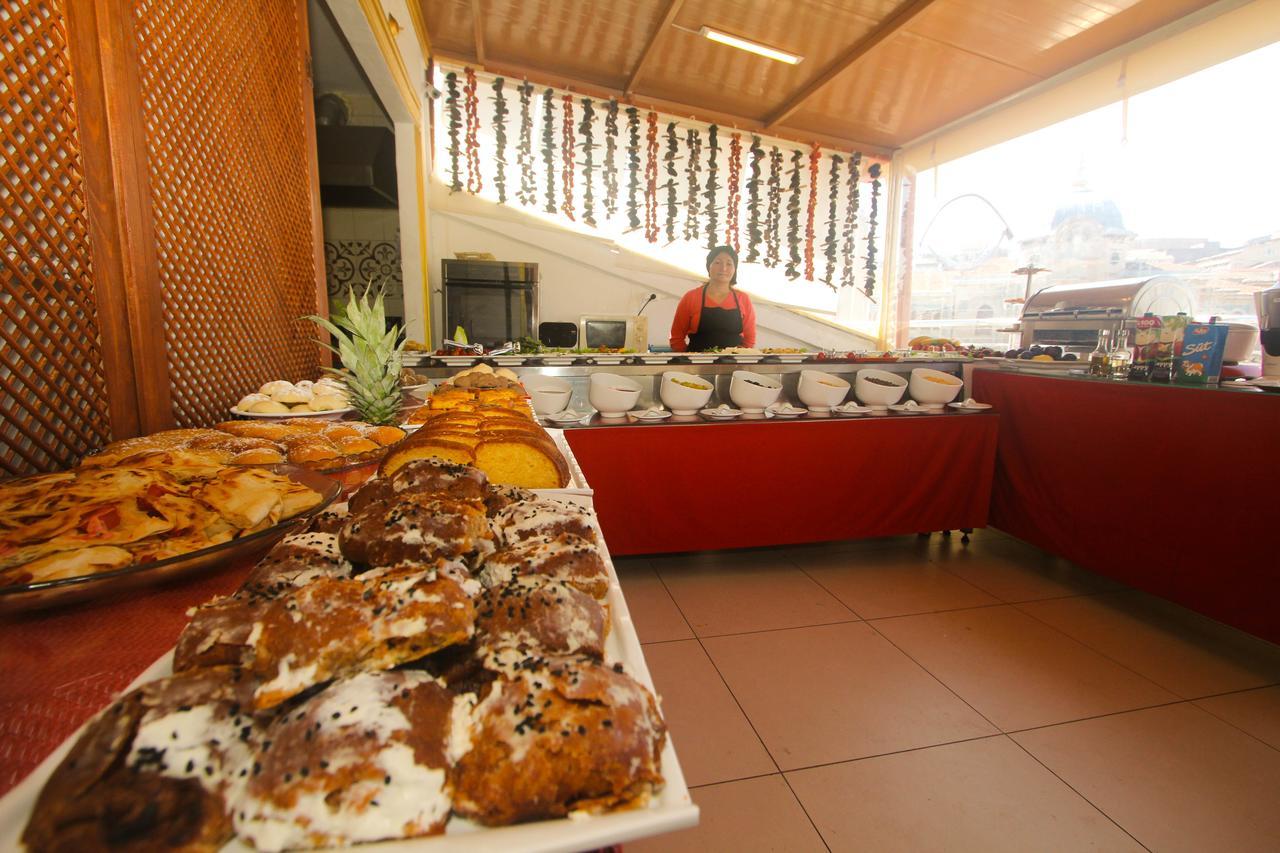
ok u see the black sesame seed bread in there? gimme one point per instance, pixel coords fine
(562, 557)
(416, 527)
(429, 476)
(542, 517)
(498, 498)
(536, 614)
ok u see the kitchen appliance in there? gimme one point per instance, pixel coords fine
(1268, 305)
(614, 331)
(563, 335)
(493, 301)
(1071, 315)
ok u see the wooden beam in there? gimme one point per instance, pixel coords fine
(727, 121)
(673, 9)
(888, 27)
(477, 20)
(420, 27)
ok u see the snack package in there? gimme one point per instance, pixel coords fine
(1145, 339)
(1203, 346)
(1168, 347)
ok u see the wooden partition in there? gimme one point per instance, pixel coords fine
(159, 209)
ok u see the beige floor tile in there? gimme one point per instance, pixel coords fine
(732, 594)
(654, 613)
(837, 692)
(876, 584)
(986, 795)
(1176, 778)
(1016, 671)
(1255, 711)
(1014, 571)
(751, 816)
(1177, 649)
(712, 737)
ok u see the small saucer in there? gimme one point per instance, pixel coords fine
(568, 416)
(851, 410)
(904, 409)
(723, 413)
(786, 411)
(650, 415)
(972, 406)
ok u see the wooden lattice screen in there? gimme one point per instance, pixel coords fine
(53, 391)
(225, 95)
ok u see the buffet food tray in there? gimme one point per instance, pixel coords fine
(670, 810)
(578, 491)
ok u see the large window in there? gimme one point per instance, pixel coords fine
(1180, 180)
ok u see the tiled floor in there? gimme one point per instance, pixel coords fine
(916, 694)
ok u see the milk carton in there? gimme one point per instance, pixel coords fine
(1203, 345)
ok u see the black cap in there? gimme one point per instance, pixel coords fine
(724, 250)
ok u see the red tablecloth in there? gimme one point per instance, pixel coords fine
(1171, 490)
(668, 488)
(59, 667)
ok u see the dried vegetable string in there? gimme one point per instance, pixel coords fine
(773, 215)
(692, 208)
(528, 192)
(633, 168)
(500, 138)
(567, 145)
(850, 221)
(610, 159)
(735, 191)
(830, 244)
(651, 179)
(793, 216)
(673, 148)
(549, 147)
(471, 105)
(455, 120)
(815, 159)
(587, 129)
(753, 202)
(712, 190)
(870, 287)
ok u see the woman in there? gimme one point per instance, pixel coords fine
(715, 314)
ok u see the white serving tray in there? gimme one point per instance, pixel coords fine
(578, 491)
(670, 810)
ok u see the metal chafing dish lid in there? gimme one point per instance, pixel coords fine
(1129, 297)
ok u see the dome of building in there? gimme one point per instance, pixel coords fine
(1084, 203)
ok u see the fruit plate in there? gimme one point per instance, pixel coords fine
(331, 415)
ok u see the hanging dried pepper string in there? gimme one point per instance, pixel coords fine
(633, 168)
(830, 244)
(870, 287)
(587, 129)
(793, 216)
(753, 202)
(692, 208)
(850, 221)
(500, 138)
(528, 193)
(815, 160)
(475, 182)
(735, 191)
(610, 159)
(773, 215)
(673, 148)
(549, 147)
(712, 192)
(567, 166)
(651, 179)
(455, 119)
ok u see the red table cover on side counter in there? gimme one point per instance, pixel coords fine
(1170, 490)
(669, 488)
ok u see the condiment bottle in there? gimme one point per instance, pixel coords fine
(1121, 356)
(1100, 358)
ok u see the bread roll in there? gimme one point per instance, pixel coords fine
(279, 386)
(293, 396)
(327, 402)
(269, 407)
(249, 400)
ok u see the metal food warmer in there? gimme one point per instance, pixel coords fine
(1070, 315)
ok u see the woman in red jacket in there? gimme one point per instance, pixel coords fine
(715, 314)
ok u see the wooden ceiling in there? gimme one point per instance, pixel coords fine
(875, 74)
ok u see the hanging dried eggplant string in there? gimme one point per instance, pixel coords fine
(735, 191)
(549, 147)
(870, 287)
(633, 168)
(472, 107)
(500, 139)
(567, 165)
(651, 179)
(587, 129)
(610, 159)
(850, 222)
(753, 202)
(815, 159)
(793, 216)
(673, 148)
(831, 243)
(455, 120)
(773, 214)
(528, 193)
(692, 208)
(712, 191)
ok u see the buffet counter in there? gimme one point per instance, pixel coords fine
(1120, 478)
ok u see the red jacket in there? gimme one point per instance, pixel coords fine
(689, 314)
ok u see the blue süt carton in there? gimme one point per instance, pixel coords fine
(1203, 345)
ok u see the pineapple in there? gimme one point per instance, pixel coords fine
(370, 355)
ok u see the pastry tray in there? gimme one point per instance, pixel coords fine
(671, 809)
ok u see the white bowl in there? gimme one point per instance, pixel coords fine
(612, 395)
(820, 390)
(753, 399)
(548, 394)
(934, 394)
(680, 399)
(878, 396)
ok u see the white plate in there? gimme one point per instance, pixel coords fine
(607, 358)
(656, 357)
(721, 414)
(902, 409)
(331, 415)
(701, 357)
(787, 411)
(558, 359)
(569, 416)
(458, 360)
(509, 360)
(851, 410)
(746, 359)
(650, 416)
(972, 407)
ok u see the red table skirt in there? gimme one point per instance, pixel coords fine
(670, 488)
(1170, 490)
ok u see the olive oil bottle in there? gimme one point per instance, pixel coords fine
(1100, 358)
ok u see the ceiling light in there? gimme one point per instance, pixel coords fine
(751, 46)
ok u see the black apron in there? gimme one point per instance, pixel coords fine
(718, 327)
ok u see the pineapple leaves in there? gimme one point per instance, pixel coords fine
(370, 353)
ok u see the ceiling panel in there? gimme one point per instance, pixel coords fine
(449, 25)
